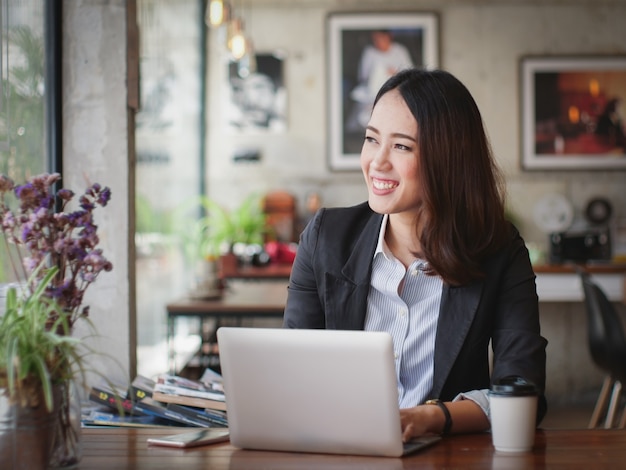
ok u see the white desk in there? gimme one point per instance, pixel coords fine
(562, 283)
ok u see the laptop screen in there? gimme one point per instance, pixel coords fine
(311, 390)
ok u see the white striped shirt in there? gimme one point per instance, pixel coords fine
(405, 303)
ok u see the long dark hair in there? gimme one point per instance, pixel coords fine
(461, 219)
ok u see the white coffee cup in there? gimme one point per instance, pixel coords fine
(513, 402)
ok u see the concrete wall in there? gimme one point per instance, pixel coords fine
(95, 149)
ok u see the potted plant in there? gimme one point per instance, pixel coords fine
(218, 230)
(38, 358)
(218, 239)
(54, 253)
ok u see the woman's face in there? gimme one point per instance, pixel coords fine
(390, 157)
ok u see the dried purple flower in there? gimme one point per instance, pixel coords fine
(104, 197)
(66, 239)
(6, 184)
(65, 194)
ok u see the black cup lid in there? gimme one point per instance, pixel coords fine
(513, 385)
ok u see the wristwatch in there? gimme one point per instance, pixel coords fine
(448, 424)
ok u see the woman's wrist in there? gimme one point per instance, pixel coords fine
(433, 418)
(441, 419)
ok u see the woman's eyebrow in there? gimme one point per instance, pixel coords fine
(404, 136)
(395, 134)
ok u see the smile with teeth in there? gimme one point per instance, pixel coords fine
(378, 184)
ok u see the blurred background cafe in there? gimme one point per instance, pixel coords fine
(221, 135)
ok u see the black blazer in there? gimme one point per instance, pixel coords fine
(330, 281)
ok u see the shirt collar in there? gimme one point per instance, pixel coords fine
(381, 246)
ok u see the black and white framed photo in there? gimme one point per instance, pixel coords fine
(364, 49)
(258, 95)
(573, 112)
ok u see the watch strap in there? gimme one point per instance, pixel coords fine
(448, 423)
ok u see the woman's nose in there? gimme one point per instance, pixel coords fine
(381, 157)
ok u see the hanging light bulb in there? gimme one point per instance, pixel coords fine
(236, 39)
(238, 46)
(217, 13)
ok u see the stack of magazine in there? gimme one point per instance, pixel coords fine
(169, 400)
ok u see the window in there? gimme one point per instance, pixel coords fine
(168, 146)
(28, 101)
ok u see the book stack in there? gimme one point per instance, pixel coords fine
(169, 400)
(201, 393)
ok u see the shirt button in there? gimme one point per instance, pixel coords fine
(402, 312)
(414, 272)
(395, 355)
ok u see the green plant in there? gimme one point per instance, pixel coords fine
(245, 224)
(41, 363)
(34, 353)
(217, 229)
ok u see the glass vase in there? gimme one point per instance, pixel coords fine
(25, 434)
(66, 439)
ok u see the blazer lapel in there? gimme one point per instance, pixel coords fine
(346, 300)
(346, 295)
(456, 314)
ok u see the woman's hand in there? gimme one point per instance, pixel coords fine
(466, 415)
(420, 420)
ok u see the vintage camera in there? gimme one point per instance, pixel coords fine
(587, 245)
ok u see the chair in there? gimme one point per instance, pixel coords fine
(280, 210)
(607, 345)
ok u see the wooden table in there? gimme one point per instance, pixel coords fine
(271, 271)
(242, 299)
(126, 448)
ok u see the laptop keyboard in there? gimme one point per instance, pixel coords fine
(419, 443)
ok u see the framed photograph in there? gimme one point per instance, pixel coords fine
(364, 49)
(573, 113)
(258, 95)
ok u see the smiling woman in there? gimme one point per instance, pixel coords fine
(437, 266)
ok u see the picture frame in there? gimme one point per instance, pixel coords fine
(357, 68)
(257, 95)
(570, 112)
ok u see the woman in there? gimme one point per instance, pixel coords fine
(430, 259)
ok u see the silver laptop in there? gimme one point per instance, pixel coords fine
(325, 391)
